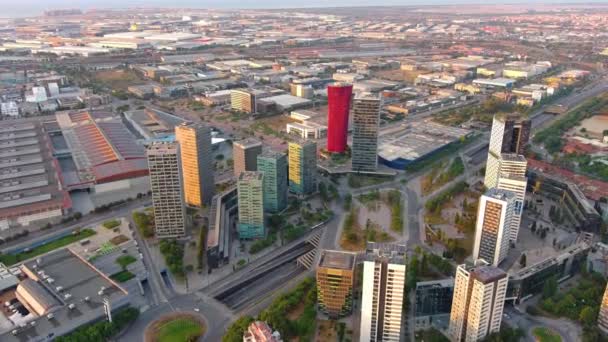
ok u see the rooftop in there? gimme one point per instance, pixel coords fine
(337, 260)
(251, 175)
(487, 274)
(248, 143)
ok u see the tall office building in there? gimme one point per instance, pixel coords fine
(335, 282)
(338, 106)
(245, 100)
(245, 155)
(479, 298)
(166, 186)
(303, 167)
(602, 319)
(366, 118)
(510, 134)
(197, 163)
(250, 186)
(496, 209)
(512, 177)
(274, 166)
(383, 293)
(433, 302)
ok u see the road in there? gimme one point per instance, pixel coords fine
(569, 330)
(88, 220)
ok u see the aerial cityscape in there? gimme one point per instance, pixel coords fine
(425, 172)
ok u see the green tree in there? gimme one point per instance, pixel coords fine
(587, 316)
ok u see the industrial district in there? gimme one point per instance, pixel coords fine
(414, 173)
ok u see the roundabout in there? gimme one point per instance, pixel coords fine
(176, 327)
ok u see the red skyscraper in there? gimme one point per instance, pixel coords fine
(338, 98)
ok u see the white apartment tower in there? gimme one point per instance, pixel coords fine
(510, 134)
(496, 209)
(366, 120)
(383, 293)
(512, 177)
(478, 302)
(166, 185)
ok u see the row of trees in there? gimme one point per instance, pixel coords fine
(394, 200)
(102, 331)
(173, 252)
(434, 204)
(276, 315)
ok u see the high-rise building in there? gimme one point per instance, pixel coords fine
(166, 186)
(512, 177)
(366, 118)
(602, 319)
(478, 302)
(338, 107)
(510, 134)
(245, 155)
(197, 163)
(303, 167)
(496, 208)
(274, 166)
(251, 205)
(383, 293)
(335, 282)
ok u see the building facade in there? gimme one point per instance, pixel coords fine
(243, 100)
(510, 134)
(245, 155)
(274, 166)
(166, 186)
(496, 208)
(383, 293)
(512, 177)
(433, 303)
(338, 107)
(250, 187)
(303, 167)
(478, 302)
(197, 163)
(335, 282)
(366, 117)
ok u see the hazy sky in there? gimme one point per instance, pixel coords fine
(20, 8)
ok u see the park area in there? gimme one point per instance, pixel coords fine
(450, 218)
(177, 327)
(375, 216)
(543, 334)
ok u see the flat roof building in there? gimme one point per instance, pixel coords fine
(167, 190)
(496, 209)
(274, 166)
(366, 120)
(335, 282)
(197, 163)
(62, 291)
(245, 155)
(478, 302)
(250, 187)
(303, 167)
(30, 176)
(383, 293)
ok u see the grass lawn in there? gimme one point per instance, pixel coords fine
(122, 276)
(110, 224)
(125, 260)
(543, 334)
(11, 259)
(179, 330)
